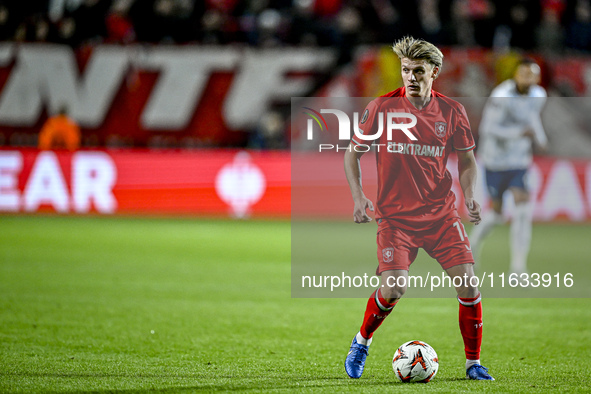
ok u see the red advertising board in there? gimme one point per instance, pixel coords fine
(228, 183)
(232, 183)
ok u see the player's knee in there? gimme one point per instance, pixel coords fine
(497, 206)
(522, 198)
(520, 195)
(469, 290)
(392, 291)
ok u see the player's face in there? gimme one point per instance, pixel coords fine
(526, 76)
(418, 77)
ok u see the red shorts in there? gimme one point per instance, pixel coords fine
(446, 242)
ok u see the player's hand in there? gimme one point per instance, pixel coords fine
(473, 211)
(360, 210)
(542, 150)
(529, 133)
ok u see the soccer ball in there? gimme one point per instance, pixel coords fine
(415, 361)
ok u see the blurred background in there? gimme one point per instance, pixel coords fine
(183, 106)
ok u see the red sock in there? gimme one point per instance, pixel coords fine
(376, 311)
(471, 326)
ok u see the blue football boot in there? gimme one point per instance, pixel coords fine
(355, 361)
(478, 372)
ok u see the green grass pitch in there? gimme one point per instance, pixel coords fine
(180, 305)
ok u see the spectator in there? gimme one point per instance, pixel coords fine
(35, 28)
(60, 132)
(220, 20)
(9, 20)
(523, 19)
(89, 20)
(164, 20)
(577, 19)
(314, 22)
(269, 133)
(119, 26)
(550, 33)
(64, 32)
(476, 22)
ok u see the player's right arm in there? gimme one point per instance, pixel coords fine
(353, 173)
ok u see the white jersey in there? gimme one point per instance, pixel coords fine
(507, 115)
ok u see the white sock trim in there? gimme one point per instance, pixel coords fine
(363, 341)
(476, 301)
(469, 363)
(380, 305)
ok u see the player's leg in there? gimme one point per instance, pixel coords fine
(382, 301)
(470, 319)
(470, 311)
(521, 229)
(379, 306)
(451, 248)
(395, 254)
(491, 218)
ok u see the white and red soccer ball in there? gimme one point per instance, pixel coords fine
(415, 361)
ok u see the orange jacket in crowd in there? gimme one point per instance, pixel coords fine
(59, 132)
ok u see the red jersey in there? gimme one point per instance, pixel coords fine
(414, 185)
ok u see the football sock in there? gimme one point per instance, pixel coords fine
(469, 363)
(489, 220)
(363, 341)
(470, 317)
(520, 237)
(376, 311)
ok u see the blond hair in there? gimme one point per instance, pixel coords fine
(417, 49)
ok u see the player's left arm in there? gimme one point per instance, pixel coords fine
(536, 132)
(539, 136)
(467, 172)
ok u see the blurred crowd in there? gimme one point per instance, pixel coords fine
(528, 24)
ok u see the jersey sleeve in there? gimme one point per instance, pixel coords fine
(462, 134)
(368, 123)
(493, 116)
(536, 117)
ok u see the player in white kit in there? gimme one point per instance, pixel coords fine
(510, 124)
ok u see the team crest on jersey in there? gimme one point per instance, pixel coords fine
(365, 116)
(388, 255)
(440, 129)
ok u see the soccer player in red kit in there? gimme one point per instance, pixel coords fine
(415, 206)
